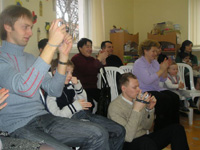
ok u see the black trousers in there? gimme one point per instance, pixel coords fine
(173, 134)
(166, 109)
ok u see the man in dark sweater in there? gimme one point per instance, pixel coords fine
(111, 60)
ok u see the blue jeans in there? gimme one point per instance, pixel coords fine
(61, 132)
(116, 131)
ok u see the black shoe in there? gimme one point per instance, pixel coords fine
(183, 109)
(196, 111)
(192, 104)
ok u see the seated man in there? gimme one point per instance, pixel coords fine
(111, 60)
(14, 143)
(23, 75)
(136, 113)
(87, 68)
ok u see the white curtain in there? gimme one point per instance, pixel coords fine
(98, 26)
(194, 21)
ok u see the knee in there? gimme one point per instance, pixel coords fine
(121, 131)
(99, 134)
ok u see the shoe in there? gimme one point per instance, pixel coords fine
(196, 111)
(192, 104)
(183, 109)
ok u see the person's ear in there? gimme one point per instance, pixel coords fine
(7, 27)
(123, 88)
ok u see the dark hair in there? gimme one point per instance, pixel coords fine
(184, 44)
(182, 49)
(103, 44)
(183, 55)
(10, 15)
(42, 43)
(83, 42)
(124, 79)
(146, 45)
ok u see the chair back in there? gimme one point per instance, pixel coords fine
(181, 72)
(111, 74)
(127, 68)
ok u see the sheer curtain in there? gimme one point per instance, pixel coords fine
(98, 26)
(194, 22)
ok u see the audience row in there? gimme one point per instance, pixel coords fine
(64, 119)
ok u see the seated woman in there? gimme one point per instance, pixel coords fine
(87, 68)
(149, 74)
(186, 47)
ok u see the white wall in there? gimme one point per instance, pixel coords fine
(48, 15)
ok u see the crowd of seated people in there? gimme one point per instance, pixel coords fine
(64, 119)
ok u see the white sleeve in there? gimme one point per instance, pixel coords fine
(65, 111)
(80, 92)
(170, 85)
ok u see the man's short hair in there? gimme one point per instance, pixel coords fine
(124, 80)
(42, 43)
(10, 15)
(83, 42)
(103, 44)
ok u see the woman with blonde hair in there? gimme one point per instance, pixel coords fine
(150, 73)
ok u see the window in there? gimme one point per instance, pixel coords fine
(194, 22)
(76, 16)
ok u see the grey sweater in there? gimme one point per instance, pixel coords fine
(23, 75)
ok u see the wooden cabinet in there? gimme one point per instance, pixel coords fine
(119, 40)
(168, 42)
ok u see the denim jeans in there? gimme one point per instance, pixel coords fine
(116, 131)
(61, 132)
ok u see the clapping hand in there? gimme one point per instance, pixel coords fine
(165, 64)
(181, 85)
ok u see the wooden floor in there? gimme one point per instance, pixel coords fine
(192, 132)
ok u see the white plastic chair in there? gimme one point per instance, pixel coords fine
(193, 93)
(127, 68)
(111, 74)
(130, 64)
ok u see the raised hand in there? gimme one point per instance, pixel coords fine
(57, 33)
(140, 105)
(164, 65)
(181, 85)
(102, 56)
(3, 96)
(66, 45)
(74, 80)
(152, 102)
